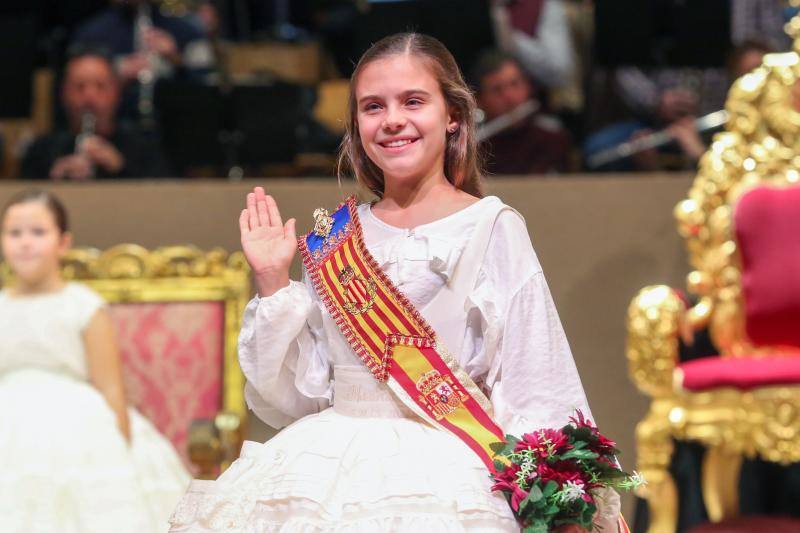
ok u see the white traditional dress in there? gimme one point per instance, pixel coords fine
(353, 457)
(64, 465)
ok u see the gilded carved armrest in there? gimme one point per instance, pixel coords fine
(215, 444)
(655, 317)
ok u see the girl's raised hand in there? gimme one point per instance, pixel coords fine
(269, 245)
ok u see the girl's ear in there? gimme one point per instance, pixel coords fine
(65, 243)
(452, 122)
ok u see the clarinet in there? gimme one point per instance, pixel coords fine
(148, 75)
(88, 125)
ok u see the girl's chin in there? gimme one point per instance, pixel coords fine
(29, 277)
(403, 175)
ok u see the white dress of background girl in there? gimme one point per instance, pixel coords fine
(65, 464)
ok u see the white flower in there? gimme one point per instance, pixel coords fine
(572, 490)
(638, 479)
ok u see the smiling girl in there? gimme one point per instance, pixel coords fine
(422, 331)
(75, 457)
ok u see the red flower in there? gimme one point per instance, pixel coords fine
(599, 443)
(561, 472)
(581, 421)
(544, 442)
(516, 497)
(506, 481)
(602, 445)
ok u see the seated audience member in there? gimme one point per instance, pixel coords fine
(674, 108)
(533, 145)
(144, 48)
(95, 145)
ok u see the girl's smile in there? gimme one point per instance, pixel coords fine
(398, 145)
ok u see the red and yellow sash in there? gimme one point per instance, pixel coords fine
(390, 336)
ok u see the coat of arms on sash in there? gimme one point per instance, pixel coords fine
(323, 223)
(439, 394)
(359, 293)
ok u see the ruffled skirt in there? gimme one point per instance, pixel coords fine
(67, 468)
(366, 465)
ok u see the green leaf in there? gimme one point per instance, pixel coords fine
(499, 465)
(497, 447)
(580, 454)
(549, 489)
(534, 495)
(539, 526)
(588, 513)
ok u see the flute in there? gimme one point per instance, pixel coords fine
(505, 121)
(653, 140)
(147, 76)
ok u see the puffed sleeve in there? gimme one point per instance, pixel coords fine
(283, 356)
(535, 383)
(532, 378)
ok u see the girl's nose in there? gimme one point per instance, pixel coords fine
(394, 121)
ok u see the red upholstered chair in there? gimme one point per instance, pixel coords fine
(741, 223)
(177, 313)
(172, 354)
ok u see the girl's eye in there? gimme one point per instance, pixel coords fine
(414, 102)
(38, 232)
(373, 106)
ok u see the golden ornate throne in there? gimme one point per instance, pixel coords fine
(177, 313)
(741, 224)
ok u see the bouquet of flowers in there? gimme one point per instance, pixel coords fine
(551, 477)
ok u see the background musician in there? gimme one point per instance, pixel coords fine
(95, 144)
(535, 144)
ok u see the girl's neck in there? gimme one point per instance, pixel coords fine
(428, 200)
(400, 194)
(46, 285)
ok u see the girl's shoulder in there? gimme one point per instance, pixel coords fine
(510, 256)
(86, 301)
(82, 292)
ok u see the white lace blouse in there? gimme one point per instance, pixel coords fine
(514, 346)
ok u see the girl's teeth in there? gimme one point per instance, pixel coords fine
(395, 144)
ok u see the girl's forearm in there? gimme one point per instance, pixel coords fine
(115, 398)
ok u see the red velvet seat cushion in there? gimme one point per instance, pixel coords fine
(767, 222)
(740, 373)
(751, 524)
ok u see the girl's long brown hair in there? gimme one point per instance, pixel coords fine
(462, 167)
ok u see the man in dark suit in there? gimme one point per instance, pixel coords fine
(95, 145)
